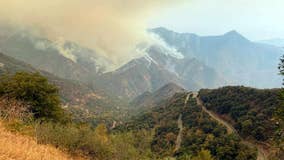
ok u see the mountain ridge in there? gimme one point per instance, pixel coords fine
(73, 94)
(150, 99)
(239, 60)
(62, 58)
(156, 69)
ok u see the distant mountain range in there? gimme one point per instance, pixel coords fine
(207, 62)
(203, 62)
(155, 70)
(275, 42)
(237, 59)
(62, 58)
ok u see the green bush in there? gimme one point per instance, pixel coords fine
(35, 90)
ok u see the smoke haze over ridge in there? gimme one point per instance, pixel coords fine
(111, 27)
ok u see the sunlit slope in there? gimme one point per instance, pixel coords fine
(17, 147)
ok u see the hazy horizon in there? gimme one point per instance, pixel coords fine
(256, 19)
(113, 29)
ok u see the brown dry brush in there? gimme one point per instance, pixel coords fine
(20, 147)
(11, 109)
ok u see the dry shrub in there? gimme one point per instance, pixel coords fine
(18, 147)
(75, 139)
(11, 109)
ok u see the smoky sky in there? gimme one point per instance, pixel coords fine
(111, 27)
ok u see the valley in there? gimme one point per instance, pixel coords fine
(183, 98)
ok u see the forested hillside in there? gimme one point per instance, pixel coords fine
(251, 111)
(183, 130)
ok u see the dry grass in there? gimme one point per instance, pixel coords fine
(18, 147)
(11, 109)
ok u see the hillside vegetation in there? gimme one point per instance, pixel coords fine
(29, 105)
(251, 111)
(179, 128)
(183, 130)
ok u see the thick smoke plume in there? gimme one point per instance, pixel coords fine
(111, 27)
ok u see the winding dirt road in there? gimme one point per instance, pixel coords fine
(260, 152)
(230, 128)
(180, 126)
(179, 137)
